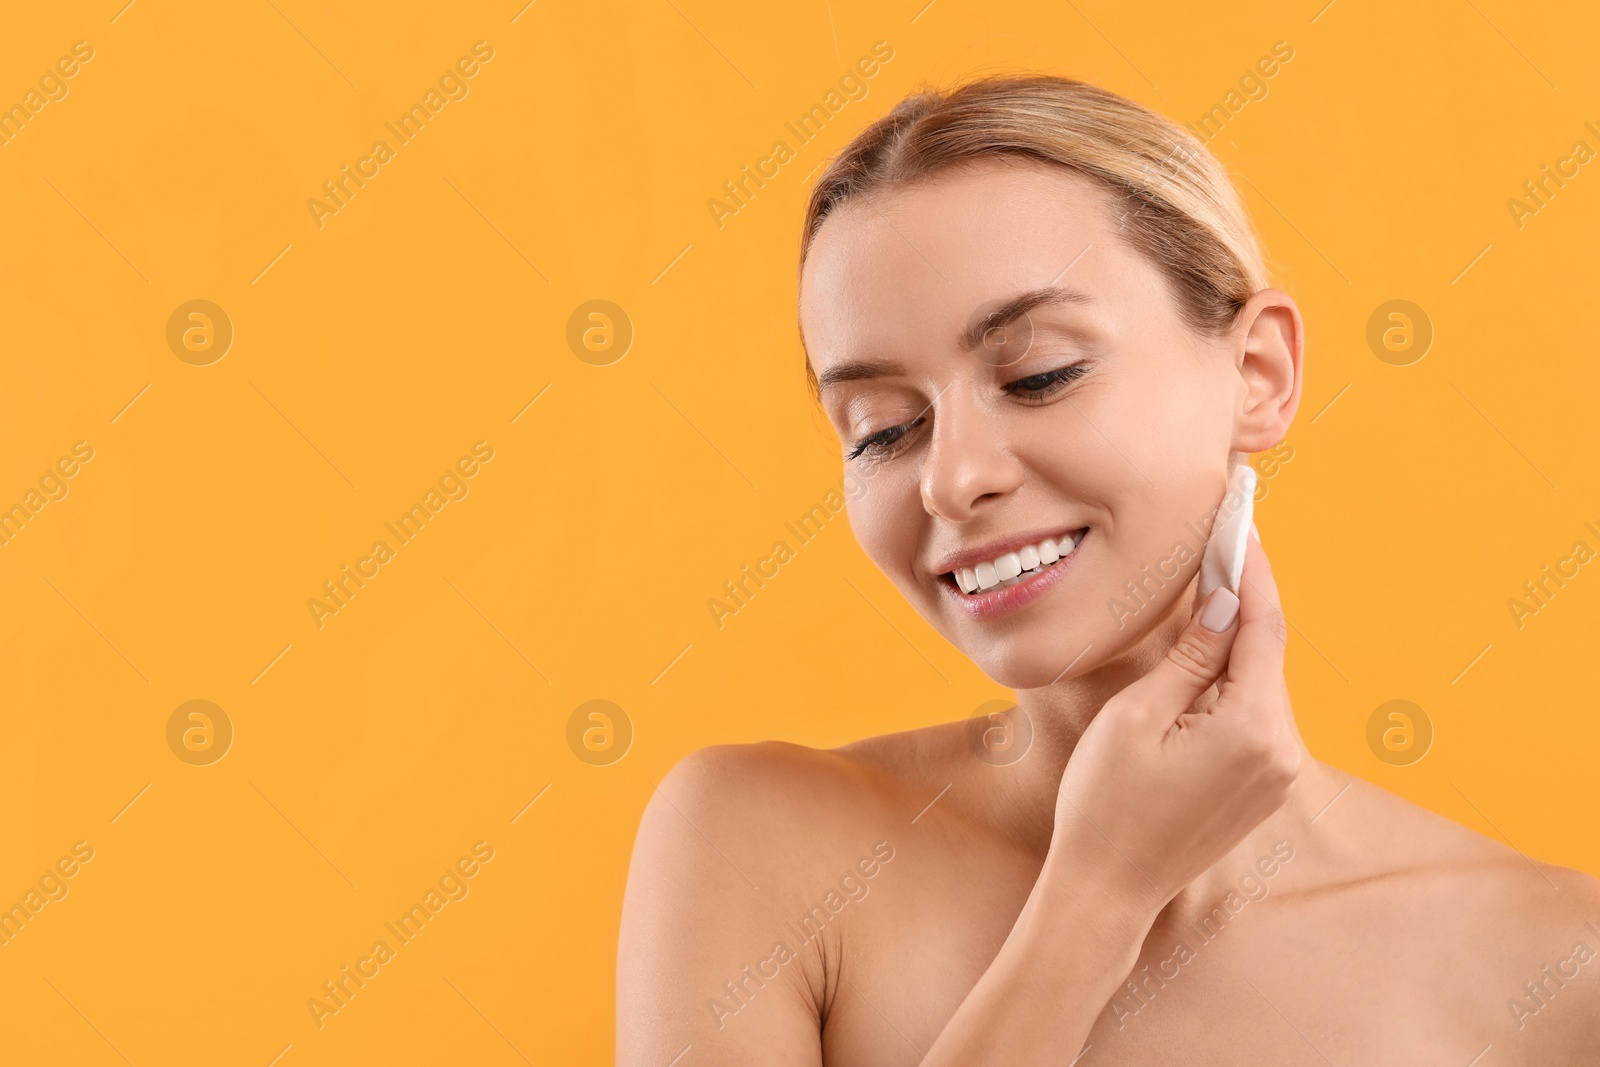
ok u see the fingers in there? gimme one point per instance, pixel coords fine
(1195, 661)
(1256, 663)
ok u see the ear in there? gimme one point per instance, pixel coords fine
(1270, 342)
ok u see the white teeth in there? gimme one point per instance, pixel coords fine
(1014, 567)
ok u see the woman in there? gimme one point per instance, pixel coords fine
(1038, 319)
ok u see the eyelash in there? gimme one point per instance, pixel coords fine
(1045, 385)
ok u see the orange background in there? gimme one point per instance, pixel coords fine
(425, 315)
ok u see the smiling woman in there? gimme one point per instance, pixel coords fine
(1036, 316)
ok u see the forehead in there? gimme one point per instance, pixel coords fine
(911, 265)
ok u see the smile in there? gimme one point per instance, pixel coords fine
(1014, 568)
(991, 588)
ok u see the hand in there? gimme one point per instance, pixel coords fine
(1172, 789)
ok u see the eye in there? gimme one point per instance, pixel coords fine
(1039, 386)
(882, 443)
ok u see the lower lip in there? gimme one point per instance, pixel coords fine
(1000, 602)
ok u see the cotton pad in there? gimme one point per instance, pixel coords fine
(1223, 562)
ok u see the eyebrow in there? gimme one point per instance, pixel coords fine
(970, 337)
(1015, 308)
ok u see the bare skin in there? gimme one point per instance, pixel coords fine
(1164, 874)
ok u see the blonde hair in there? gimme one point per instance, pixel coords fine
(1182, 210)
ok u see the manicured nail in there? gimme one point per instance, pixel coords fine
(1220, 611)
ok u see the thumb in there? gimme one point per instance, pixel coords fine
(1196, 660)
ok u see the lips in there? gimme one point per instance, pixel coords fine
(1002, 583)
(1010, 568)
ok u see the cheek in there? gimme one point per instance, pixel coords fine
(887, 520)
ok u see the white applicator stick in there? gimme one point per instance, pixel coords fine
(1223, 562)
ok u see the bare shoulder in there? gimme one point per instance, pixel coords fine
(778, 809)
(1521, 935)
(745, 870)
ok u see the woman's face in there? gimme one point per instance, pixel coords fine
(1095, 426)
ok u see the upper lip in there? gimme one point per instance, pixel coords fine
(994, 549)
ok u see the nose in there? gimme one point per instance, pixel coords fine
(969, 461)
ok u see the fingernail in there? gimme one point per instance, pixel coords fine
(1220, 611)
(1255, 533)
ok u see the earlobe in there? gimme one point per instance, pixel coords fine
(1271, 347)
